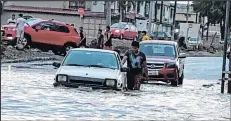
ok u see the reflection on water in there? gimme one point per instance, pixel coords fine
(27, 93)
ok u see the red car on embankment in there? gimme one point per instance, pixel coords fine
(45, 35)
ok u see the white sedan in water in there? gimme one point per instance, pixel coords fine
(91, 68)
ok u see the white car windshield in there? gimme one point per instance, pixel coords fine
(117, 25)
(91, 59)
(32, 21)
(154, 49)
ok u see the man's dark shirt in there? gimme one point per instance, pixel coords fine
(135, 61)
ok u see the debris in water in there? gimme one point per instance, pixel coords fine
(207, 85)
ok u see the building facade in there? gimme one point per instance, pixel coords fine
(181, 13)
(66, 11)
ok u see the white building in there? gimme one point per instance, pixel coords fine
(181, 13)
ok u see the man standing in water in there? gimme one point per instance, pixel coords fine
(20, 29)
(136, 61)
(83, 40)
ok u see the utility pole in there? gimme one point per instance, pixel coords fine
(227, 36)
(136, 8)
(156, 11)
(186, 38)
(120, 11)
(151, 5)
(1, 5)
(161, 12)
(208, 21)
(108, 12)
(174, 20)
(225, 47)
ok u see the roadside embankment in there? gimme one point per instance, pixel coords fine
(10, 54)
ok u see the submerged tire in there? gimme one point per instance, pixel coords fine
(67, 48)
(56, 52)
(55, 84)
(23, 42)
(181, 79)
(176, 81)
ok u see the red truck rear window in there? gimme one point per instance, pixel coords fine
(76, 30)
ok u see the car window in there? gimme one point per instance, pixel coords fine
(161, 34)
(167, 34)
(87, 58)
(119, 59)
(47, 26)
(155, 49)
(27, 17)
(63, 29)
(32, 22)
(127, 26)
(133, 28)
(76, 31)
(158, 34)
(117, 25)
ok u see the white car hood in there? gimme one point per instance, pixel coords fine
(91, 72)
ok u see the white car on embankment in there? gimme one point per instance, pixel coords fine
(91, 68)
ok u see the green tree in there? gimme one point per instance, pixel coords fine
(213, 10)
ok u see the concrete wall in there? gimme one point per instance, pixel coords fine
(182, 8)
(91, 25)
(166, 11)
(98, 6)
(161, 27)
(182, 17)
(95, 6)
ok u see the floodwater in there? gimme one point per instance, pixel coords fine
(28, 94)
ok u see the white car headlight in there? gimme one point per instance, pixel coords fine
(110, 82)
(10, 38)
(61, 78)
(117, 30)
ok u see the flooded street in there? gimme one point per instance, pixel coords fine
(28, 93)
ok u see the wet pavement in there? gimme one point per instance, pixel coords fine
(28, 93)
